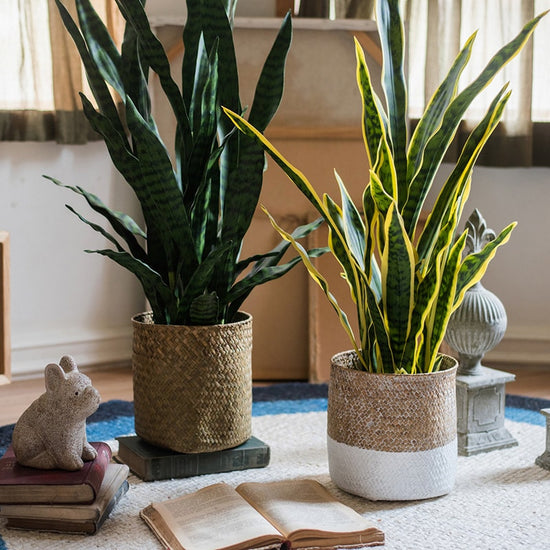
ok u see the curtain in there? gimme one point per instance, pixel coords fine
(39, 98)
(436, 32)
(343, 9)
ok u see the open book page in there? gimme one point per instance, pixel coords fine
(215, 517)
(308, 515)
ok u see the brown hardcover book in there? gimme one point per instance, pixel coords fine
(21, 484)
(67, 518)
(297, 514)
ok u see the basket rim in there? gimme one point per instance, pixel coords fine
(242, 317)
(448, 370)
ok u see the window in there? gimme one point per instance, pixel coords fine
(41, 72)
(436, 32)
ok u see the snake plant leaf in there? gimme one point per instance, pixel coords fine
(382, 200)
(292, 172)
(372, 271)
(274, 256)
(123, 224)
(373, 125)
(117, 144)
(443, 306)
(97, 85)
(354, 228)
(204, 119)
(244, 184)
(210, 210)
(453, 189)
(230, 6)
(340, 248)
(440, 141)
(154, 55)
(200, 279)
(242, 289)
(426, 291)
(205, 85)
(204, 107)
(156, 291)
(393, 81)
(158, 191)
(445, 236)
(204, 309)
(384, 356)
(474, 265)
(398, 277)
(431, 118)
(381, 203)
(239, 188)
(100, 45)
(245, 180)
(319, 279)
(192, 32)
(216, 26)
(135, 72)
(269, 89)
(96, 227)
(385, 169)
(427, 294)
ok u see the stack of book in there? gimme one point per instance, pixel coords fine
(58, 500)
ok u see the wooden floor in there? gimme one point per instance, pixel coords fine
(116, 383)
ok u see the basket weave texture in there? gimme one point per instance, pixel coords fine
(391, 412)
(193, 384)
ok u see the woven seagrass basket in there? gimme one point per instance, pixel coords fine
(193, 384)
(392, 436)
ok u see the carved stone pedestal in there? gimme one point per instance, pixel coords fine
(544, 459)
(480, 404)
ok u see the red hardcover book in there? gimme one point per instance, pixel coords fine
(21, 484)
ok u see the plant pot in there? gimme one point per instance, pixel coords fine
(193, 384)
(392, 436)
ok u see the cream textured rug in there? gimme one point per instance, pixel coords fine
(501, 499)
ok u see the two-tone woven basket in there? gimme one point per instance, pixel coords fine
(392, 436)
(193, 384)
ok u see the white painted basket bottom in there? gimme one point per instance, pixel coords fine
(381, 475)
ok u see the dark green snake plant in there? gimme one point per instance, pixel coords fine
(197, 209)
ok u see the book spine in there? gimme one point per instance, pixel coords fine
(153, 468)
(122, 490)
(98, 468)
(208, 463)
(54, 526)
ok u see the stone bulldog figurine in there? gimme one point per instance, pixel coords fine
(51, 433)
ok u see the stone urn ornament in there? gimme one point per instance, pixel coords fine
(479, 324)
(51, 433)
(476, 327)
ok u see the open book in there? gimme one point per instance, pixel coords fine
(297, 514)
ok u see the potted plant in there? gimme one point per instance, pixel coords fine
(391, 410)
(192, 352)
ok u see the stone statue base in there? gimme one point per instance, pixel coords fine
(480, 412)
(544, 459)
